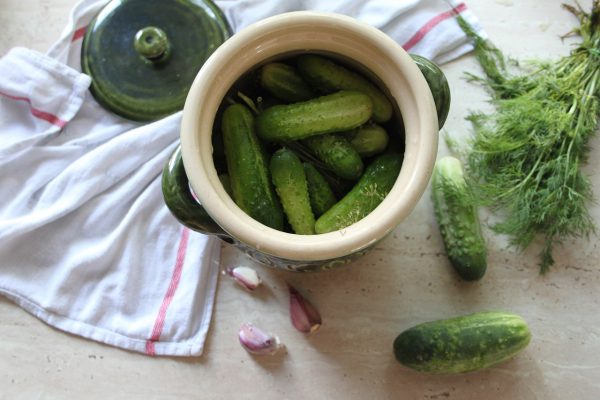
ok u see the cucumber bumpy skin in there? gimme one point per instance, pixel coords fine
(462, 344)
(290, 183)
(325, 74)
(285, 83)
(320, 193)
(368, 140)
(337, 154)
(376, 182)
(249, 176)
(336, 112)
(457, 219)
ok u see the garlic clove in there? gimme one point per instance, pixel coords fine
(256, 341)
(305, 317)
(245, 276)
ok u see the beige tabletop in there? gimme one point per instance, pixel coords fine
(405, 280)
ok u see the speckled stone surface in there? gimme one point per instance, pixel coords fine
(405, 280)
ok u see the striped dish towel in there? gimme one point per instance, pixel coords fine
(86, 242)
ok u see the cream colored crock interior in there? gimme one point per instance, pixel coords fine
(306, 31)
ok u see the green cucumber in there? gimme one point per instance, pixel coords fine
(368, 140)
(457, 219)
(290, 183)
(376, 182)
(438, 84)
(320, 193)
(340, 111)
(247, 168)
(337, 154)
(284, 82)
(462, 344)
(327, 75)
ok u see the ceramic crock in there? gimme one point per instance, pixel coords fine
(191, 186)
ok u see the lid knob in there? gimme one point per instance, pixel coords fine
(152, 44)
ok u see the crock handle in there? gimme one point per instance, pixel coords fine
(181, 203)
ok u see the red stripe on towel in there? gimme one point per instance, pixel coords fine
(175, 277)
(432, 23)
(78, 34)
(53, 119)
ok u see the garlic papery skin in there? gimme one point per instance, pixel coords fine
(245, 276)
(256, 341)
(305, 317)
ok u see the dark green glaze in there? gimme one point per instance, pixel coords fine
(462, 344)
(438, 84)
(181, 203)
(123, 81)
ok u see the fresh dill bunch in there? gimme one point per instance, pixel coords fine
(525, 158)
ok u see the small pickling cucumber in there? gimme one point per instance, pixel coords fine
(340, 111)
(462, 344)
(320, 193)
(327, 75)
(284, 82)
(438, 84)
(375, 183)
(337, 154)
(368, 140)
(247, 167)
(458, 220)
(290, 183)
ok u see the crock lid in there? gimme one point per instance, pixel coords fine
(143, 55)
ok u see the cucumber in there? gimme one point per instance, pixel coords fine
(325, 74)
(247, 167)
(365, 196)
(457, 219)
(320, 193)
(337, 154)
(284, 82)
(438, 84)
(462, 344)
(290, 183)
(340, 111)
(368, 140)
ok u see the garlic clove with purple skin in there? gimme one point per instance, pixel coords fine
(245, 277)
(256, 341)
(305, 317)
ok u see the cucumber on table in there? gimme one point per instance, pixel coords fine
(337, 154)
(247, 167)
(370, 190)
(458, 220)
(341, 111)
(327, 75)
(284, 82)
(462, 344)
(291, 186)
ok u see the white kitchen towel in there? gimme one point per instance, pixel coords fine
(86, 242)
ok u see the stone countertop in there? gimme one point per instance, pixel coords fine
(405, 280)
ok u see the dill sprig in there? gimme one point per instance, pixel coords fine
(525, 158)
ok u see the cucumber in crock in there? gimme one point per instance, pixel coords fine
(336, 112)
(375, 183)
(284, 82)
(291, 186)
(325, 74)
(337, 154)
(247, 167)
